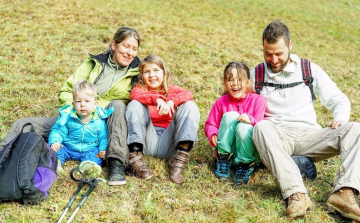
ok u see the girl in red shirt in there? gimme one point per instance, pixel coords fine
(162, 120)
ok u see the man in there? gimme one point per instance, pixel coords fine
(290, 127)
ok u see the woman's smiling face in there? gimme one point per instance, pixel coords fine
(125, 52)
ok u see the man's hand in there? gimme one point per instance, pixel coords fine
(336, 123)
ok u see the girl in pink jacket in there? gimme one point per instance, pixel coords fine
(162, 120)
(229, 126)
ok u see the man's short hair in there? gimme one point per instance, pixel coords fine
(276, 30)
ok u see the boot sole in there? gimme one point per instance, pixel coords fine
(343, 213)
(294, 215)
(116, 183)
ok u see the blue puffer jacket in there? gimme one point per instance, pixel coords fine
(75, 135)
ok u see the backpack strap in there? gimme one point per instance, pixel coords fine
(259, 77)
(308, 79)
(5, 152)
(23, 173)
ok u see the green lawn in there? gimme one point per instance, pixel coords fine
(43, 42)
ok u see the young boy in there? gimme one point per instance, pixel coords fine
(80, 130)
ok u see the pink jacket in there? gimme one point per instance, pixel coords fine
(175, 93)
(252, 104)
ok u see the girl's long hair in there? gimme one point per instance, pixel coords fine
(154, 59)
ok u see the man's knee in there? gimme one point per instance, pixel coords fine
(262, 126)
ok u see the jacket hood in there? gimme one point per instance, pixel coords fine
(102, 58)
(68, 111)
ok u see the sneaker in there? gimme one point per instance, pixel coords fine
(243, 173)
(116, 172)
(223, 164)
(298, 204)
(345, 202)
(90, 169)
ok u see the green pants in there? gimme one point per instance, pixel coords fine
(236, 137)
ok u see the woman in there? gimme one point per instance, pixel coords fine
(113, 73)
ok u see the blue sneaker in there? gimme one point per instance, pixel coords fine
(243, 173)
(223, 166)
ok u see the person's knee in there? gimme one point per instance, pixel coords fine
(229, 117)
(135, 107)
(244, 130)
(117, 104)
(260, 127)
(21, 123)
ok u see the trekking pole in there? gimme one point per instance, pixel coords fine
(70, 202)
(92, 182)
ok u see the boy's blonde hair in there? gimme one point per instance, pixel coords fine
(154, 59)
(242, 70)
(85, 87)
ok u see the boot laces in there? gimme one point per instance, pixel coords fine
(354, 196)
(224, 165)
(294, 197)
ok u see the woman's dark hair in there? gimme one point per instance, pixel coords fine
(122, 34)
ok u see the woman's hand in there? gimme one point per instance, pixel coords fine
(55, 146)
(162, 107)
(244, 118)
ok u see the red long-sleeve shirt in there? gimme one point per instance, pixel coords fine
(149, 97)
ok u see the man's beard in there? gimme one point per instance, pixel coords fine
(282, 66)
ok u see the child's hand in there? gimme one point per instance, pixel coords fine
(162, 107)
(101, 154)
(55, 146)
(244, 118)
(215, 152)
(214, 139)
(171, 105)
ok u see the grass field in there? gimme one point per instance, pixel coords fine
(43, 42)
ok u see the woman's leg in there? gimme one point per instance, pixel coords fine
(41, 126)
(117, 153)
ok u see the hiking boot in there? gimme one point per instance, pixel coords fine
(243, 172)
(345, 202)
(138, 166)
(177, 165)
(298, 204)
(223, 164)
(116, 172)
(90, 169)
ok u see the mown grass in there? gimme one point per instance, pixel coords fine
(43, 42)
